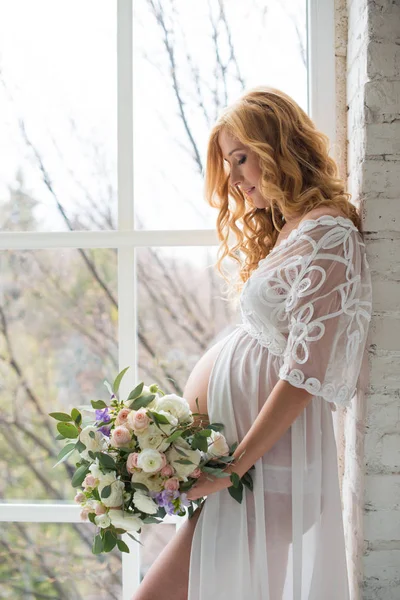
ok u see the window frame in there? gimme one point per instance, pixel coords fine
(321, 108)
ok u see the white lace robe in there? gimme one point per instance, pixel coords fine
(305, 316)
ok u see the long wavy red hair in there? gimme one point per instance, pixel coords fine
(297, 175)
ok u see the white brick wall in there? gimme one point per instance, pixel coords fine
(371, 483)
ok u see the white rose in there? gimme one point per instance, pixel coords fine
(218, 445)
(117, 490)
(153, 482)
(176, 405)
(152, 437)
(102, 521)
(123, 520)
(144, 503)
(145, 392)
(95, 444)
(150, 460)
(194, 456)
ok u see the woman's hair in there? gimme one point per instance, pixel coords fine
(297, 175)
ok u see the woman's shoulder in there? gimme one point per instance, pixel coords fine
(322, 211)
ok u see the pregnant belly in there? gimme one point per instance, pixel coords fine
(197, 383)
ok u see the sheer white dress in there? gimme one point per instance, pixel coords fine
(305, 317)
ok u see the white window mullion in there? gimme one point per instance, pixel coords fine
(321, 65)
(127, 296)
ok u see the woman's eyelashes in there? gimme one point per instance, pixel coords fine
(242, 160)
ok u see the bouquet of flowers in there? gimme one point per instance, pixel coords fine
(138, 457)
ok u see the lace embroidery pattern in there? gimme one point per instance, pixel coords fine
(279, 303)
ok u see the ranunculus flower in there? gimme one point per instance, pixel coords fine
(131, 462)
(218, 446)
(153, 482)
(176, 405)
(121, 436)
(194, 456)
(123, 520)
(79, 497)
(172, 484)
(167, 471)
(117, 490)
(151, 460)
(95, 444)
(144, 503)
(122, 417)
(102, 521)
(152, 437)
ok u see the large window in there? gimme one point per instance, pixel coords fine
(107, 245)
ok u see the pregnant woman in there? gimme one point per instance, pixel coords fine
(304, 290)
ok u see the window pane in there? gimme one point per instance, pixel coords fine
(58, 129)
(54, 561)
(58, 342)
(191, 59)
(182, 312)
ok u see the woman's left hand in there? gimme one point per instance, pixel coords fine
(208, 484)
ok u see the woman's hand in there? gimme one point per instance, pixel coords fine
(208, 484)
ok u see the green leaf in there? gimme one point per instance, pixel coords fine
(131, 536)
(92, 434)
(59, 416)
(205, 433)
(60, 437)
(236, 492)
(174, 436)
(80, 446)
(158, 418)
(118, 380)
(79, 475)
(76, 415)
(109, 541)
(91, 517)
(142, 401)
(98, 545)
(98, 403)
(135, 393)
(122, 546)
(106, 461)
(248, 481)
(64, 453)
(216, 426)
(139, 486)
(106, 491)
(235, 479)
(180, 451)
(184, 461)
(68, 430)
(151, 519)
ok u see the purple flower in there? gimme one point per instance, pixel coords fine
(105, 430)
(102, 415)
(171, 500)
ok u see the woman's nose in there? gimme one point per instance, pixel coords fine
(236, 179)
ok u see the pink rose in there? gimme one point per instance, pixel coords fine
(131, 463)
(90, 481)
(172, 484)
(139, 420)
(79, 497)
(84, 514)
(120, 436)
(100, 509)
(167, 471)
(122, 416)
(196, 473)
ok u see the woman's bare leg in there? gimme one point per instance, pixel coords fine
(168, 576)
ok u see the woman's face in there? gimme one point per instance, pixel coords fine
(245, 171)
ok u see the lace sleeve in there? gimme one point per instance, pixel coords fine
(328, 310)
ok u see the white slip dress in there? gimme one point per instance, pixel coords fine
(305, 317)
